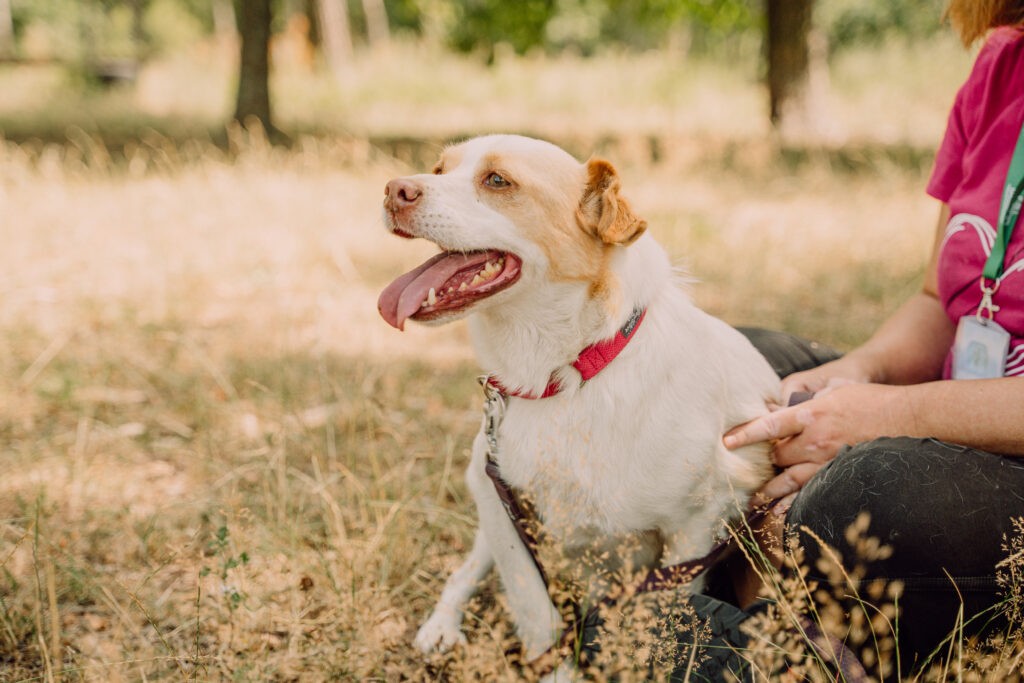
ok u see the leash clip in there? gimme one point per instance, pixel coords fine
(494, 412)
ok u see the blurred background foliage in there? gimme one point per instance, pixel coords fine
(81, 29)
(80, 47)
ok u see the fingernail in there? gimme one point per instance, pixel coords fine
(783, 486)
(731, 441)
(782, 507)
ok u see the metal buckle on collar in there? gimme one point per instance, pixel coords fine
(494, 413)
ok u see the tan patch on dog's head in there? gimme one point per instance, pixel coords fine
(603, 212)
(572, 211)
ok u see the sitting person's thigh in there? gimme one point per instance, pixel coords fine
(945, 511)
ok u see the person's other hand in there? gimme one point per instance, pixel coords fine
(808, 435)
(846, 370)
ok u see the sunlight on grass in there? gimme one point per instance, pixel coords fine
(230, 463)
(221, 463)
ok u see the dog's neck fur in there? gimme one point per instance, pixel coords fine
(572, 319)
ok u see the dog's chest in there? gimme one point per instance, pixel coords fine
(582, 468)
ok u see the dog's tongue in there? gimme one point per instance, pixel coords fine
(403, 297)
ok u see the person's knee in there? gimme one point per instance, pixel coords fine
(855, 481)
(787, 353)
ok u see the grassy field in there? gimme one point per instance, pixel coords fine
(218, 463)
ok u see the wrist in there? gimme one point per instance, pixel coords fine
(863, 365)
(902, 409)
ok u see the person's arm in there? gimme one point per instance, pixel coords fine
(859, 404)
(985, 414)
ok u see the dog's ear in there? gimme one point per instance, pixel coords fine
(602, 211)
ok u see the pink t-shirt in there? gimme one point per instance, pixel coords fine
(970, 170)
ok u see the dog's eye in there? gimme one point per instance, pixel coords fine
(496, 180)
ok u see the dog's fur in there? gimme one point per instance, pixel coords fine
(634, 452)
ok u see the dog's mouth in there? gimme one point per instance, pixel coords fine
(447, 283)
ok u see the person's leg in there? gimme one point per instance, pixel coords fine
(687, 637)
(945, 511)
(787, 353)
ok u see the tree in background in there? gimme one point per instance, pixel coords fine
(850, 22)
(485, 23)
(87, 33)
(254, 70)
(788, 26)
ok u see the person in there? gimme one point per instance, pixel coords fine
(922, 426)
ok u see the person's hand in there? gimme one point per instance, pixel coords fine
(808, 435)
(846, 370)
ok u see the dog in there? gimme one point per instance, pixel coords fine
(547, 258)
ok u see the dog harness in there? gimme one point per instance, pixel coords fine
(591, 361)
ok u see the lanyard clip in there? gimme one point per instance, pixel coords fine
(987, 309)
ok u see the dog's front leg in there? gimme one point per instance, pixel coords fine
(443, 629)
(688, 542)
(539, 623)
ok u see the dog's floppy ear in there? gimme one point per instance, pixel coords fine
(602, 212)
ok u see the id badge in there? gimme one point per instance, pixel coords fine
(979, 349)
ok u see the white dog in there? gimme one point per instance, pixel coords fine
(550, 260)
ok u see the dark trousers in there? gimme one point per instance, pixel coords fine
(946, 511)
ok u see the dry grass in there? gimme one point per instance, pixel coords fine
(219, 463)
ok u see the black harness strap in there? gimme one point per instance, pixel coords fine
(516, 512)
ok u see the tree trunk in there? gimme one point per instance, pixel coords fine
(335, 34)
(789, 22)
(376, 22)
(254, 72)
(6, 30)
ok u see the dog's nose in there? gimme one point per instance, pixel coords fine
(401, 193)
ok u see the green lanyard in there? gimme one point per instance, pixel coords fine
(1009, 212)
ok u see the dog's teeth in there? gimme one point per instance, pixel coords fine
(476, 280)
(489, 271)
(463, 287)
(431, 297)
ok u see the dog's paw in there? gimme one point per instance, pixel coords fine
(439, 634)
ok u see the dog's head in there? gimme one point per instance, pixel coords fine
(506, 211)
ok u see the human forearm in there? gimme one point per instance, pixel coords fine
(910, 347)
(984, 414)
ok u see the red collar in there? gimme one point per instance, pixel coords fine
(591, 360)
